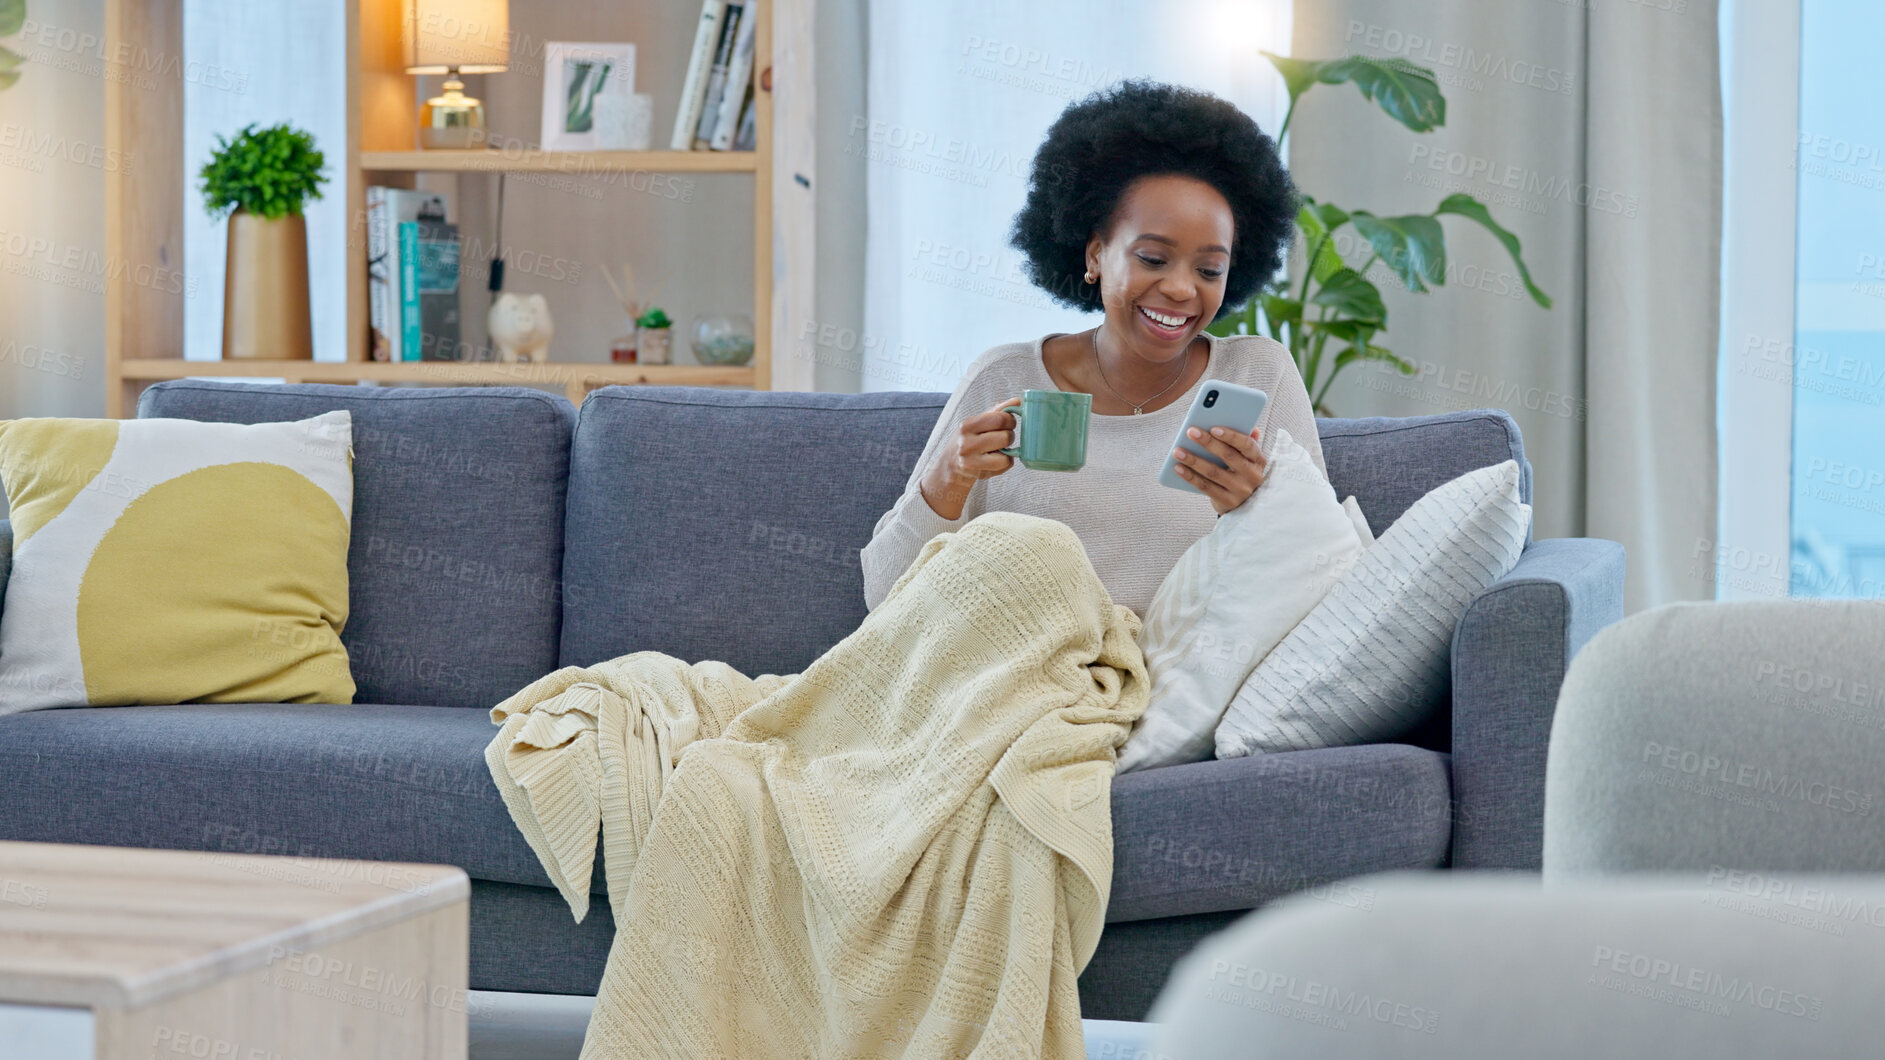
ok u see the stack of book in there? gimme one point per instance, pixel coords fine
(412, 276)
(716, 110)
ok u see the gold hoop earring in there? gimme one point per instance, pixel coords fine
(1090, 277)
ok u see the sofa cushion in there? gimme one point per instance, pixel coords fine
(457, 528)
(711, 524)
(1233, 834)
(404, 783)
(176, 561)
(1370, 662)
(374, 781)
(1388, 463)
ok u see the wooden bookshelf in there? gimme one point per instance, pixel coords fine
(144, 214)
(574, 163)
(576, 380)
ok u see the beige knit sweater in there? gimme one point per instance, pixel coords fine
(1133, 528)
(905, 851)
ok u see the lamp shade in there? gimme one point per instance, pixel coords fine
(471, 35)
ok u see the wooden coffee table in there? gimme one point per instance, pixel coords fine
(119, 952)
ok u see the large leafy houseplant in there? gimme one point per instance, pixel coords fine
(1332, 302)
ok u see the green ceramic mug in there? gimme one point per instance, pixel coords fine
(1050, 430)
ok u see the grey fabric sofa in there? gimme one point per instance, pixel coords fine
(1496, 966)
(497, 535)
(1709, 738)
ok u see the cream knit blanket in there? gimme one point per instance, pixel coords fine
(904, 851)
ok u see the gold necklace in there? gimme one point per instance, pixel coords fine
(1184, 362)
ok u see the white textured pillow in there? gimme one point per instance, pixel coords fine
(1353, 508)
(1235, 593)
(1371, 660)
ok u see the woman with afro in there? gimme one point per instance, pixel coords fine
(1164, 207)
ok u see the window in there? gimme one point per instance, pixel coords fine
(282, 61)
(1802, 381)
(1838, 488)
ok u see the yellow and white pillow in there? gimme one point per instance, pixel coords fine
(172, 561)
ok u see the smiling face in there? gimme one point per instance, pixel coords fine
(1162, 265)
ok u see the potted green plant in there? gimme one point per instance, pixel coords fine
(653, 337)
(1334, 302)
(261, 179)
(12, 20)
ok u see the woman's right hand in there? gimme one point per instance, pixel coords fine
(976, 454)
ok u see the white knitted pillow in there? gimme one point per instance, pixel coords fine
(1371, 660)
(1234, 595)
(1353, 509)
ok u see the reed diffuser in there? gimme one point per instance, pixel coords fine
(647, 338)
(622, 348)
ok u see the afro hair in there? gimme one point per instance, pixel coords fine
(1135, 128)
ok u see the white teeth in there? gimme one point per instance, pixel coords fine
(1170, 322)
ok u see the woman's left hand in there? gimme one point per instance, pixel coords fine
(1230, 486)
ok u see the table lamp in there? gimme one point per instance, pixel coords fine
(454, 37)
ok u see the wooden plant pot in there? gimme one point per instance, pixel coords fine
(265, 289)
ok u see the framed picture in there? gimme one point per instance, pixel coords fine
(575, 75)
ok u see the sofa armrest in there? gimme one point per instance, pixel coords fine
(1510, 652)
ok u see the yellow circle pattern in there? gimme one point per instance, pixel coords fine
(46, 462)
(184, 599)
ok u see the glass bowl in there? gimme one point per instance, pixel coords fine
(723, 339)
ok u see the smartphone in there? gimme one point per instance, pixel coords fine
(1218, 404)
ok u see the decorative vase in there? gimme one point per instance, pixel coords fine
(624, 121)
(723, 339)
(265, 289)
(653, 345)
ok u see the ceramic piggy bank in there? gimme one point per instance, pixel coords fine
(520, 328)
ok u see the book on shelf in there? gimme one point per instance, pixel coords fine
(387, 208)
(699, 69)
(747, 139)
(739, 82)
(407, 260)
(717, 84)
(428, 290)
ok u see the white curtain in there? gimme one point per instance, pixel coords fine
(1593, 132)
(960, 96)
